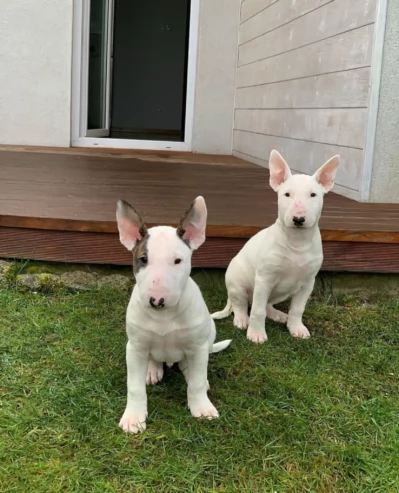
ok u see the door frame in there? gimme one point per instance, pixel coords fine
(80, 76)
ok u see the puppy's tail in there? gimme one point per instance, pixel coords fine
(219, 346)
(225, 312)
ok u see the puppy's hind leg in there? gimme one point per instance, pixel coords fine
(276, 315)
(298, 303)
(154, 372)
(239, 299)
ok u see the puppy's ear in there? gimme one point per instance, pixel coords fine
(325, 175)
(192, 225)
(279, 170)
(130, 225)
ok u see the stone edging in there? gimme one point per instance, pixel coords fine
(74, 280)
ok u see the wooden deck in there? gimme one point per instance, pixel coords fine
(59, 205)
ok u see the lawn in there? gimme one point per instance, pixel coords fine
(317, 415)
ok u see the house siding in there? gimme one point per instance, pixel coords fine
(302, 87)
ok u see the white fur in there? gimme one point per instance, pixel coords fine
(282, 260)
(181, 332)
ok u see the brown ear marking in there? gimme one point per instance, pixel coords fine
(139, 251)
(133, 216)
(186, 219)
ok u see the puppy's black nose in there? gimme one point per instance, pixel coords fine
(157, 303)
(298, 221)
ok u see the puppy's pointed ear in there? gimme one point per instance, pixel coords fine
(325, 175)
(192, 225)
(279, 170)
(130, 225)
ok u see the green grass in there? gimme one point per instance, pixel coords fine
(317, 415)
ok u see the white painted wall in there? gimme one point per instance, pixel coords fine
(35, 75)
(385, 172)
(216, 71)
(35, 72)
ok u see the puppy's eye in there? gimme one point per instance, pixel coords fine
(144, 259)
(287, 194)
(313, 194)
(177, 261)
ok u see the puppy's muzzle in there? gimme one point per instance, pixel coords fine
(157, 303)
(298, 221)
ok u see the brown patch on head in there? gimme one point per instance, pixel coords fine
(186, 219)
(140, 253)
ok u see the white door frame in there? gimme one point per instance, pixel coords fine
(80, 81)
(372, 113)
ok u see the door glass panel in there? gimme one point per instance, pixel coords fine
(98, 65)
(149, 65)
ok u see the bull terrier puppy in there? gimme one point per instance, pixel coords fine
(282, 260)
(167, 319)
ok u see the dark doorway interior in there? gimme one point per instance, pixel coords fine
(150, 54)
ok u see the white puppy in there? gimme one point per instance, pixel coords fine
(167, 319)
(282, 260)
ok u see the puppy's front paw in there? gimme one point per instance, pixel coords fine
(256, 335)
(203, 409)
(154, 373)
(133, 422)
(299, 331)
(241, 320)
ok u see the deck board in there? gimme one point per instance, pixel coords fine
(79, 192)
(75, 191)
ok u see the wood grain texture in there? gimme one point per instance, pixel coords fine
(360, 257)
(339, 90)
(302, 156)
(251, 7)
(341, 127)
(141, 154)
(275, 16)
(97, 248)
(345, 51)
(332, 19)
(78, 193)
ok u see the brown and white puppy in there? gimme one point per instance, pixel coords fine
(167, 320)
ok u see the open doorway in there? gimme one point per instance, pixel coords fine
(136, 67)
